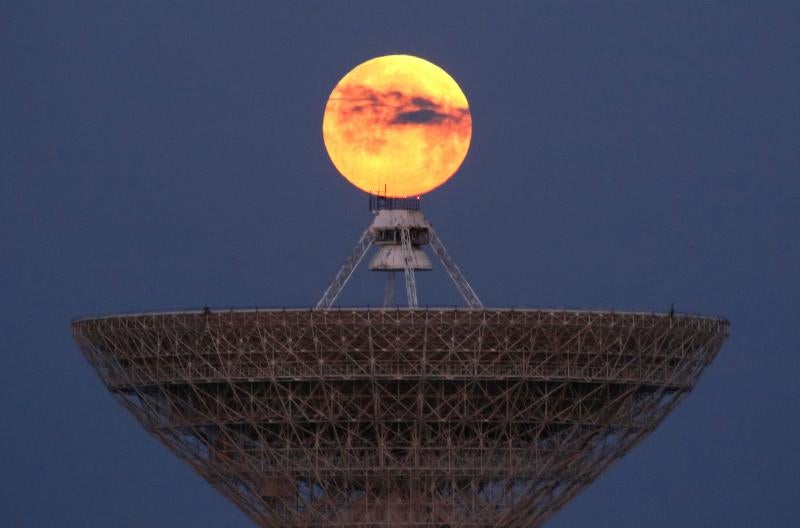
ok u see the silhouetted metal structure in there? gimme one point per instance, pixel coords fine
(400, 417)
(400, 231)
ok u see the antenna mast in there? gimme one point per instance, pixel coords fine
(400, 231)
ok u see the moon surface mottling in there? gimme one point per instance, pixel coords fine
(397, 125)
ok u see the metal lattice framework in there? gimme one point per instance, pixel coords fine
(414, 418)
(401, 224)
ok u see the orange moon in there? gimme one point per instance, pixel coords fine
(397, 126)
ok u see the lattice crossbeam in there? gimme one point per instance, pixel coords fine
(379, 418)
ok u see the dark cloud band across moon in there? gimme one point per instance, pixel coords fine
(396, 108)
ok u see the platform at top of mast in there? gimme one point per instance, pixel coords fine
(379, 203)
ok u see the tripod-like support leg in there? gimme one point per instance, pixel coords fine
(409, 263)
(460, 282)
(400, 235)
(338, 283)
(388, 290)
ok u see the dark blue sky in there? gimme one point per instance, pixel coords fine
(158, 155)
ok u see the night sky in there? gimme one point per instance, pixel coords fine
(627, 155)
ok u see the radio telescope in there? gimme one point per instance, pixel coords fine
(400, 416)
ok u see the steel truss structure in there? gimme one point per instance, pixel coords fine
(400, 230)
(405, 417)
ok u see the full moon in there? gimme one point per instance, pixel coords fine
(397, 126)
